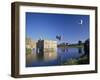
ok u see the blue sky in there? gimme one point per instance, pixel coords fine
(48, 26)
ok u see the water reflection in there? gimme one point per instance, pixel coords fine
(51, 58)
(47, 55)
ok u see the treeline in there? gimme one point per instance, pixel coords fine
(76, 45)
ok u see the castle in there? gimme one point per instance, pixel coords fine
(43, 49)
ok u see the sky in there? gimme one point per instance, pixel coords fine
(71, 27)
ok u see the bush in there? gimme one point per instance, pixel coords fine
(28, 51)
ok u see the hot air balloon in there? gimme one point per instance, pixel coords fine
(58, 37)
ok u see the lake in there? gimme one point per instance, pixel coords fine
(63, 55)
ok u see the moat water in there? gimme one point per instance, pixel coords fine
(63, 55)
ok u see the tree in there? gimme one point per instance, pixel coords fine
(86, 47)
(79, 49)
(28, 51)
(79, 42)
